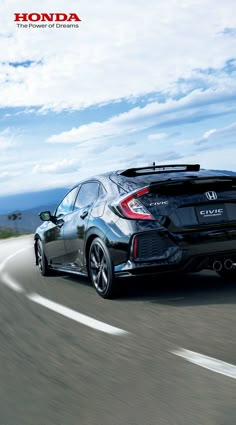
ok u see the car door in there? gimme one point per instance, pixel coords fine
(54, 236)
(75, 225)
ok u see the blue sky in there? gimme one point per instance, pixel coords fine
(135, 83)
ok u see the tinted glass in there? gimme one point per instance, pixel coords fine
(68, 202)
(87, 195)
(102, 191)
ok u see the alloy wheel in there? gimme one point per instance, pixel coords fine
(40, 257)
(99, 268)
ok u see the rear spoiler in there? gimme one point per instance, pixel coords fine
(154, 169)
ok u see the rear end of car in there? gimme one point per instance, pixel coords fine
(177, 218)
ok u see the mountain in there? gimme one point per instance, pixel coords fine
(30, 200)
(231, 173)
(29, 220)
(29, 205)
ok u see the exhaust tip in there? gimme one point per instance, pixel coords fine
(217, 266)
(228, 264)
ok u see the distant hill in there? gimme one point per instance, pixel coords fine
(231, 173)
(29, 219)
(26, 201)
(30, 205)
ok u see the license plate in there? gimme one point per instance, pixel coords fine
(211, 214)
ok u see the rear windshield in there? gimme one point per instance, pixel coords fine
(129, 184)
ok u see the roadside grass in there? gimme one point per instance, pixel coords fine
(8, 233)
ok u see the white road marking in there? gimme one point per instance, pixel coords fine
(58, 308)
(4, 262)
(11, 283)
(6, 279)
(74, 315)
(210, 363)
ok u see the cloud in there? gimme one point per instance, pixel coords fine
(209, 133)
(112, 160)
(216, 160)
(196, 106)
(6, 139)
(223, 136)
(157, 136)
(63, 166)
(121, 50)
(6, 175)
(137, 70)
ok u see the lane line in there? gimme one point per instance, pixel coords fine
(4, 262)
(51, 305)
(11, 283)
(210, 363)
(5, 278)
(74, 315)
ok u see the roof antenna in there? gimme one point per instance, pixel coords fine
(153, 164)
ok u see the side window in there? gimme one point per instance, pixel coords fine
(87, 195)
(102, 191)
(67, 203)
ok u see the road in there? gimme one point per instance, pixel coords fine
(57, 370)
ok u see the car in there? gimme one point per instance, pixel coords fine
(141, 221)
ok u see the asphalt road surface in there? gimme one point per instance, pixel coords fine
(162, 354)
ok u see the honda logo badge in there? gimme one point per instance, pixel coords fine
(211, 196)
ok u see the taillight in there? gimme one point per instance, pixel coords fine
(133, 208)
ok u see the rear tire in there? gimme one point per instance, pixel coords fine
(228, 274)
(101, 271)
(42, 260)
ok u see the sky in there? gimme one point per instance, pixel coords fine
(137, 82)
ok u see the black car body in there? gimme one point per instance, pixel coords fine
(142, 221)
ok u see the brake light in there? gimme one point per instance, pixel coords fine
(133, 208)
(142, 192)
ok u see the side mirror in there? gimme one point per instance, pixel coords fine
(45, 216)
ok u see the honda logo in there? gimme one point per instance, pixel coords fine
(211, 196)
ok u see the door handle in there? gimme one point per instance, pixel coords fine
(84, 214)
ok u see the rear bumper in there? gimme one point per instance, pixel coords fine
(190, 252)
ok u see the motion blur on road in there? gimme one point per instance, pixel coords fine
(57, 370)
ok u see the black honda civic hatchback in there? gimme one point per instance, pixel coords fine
(141, 221)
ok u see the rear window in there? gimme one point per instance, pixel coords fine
(195, 186)
(132, 183)
(129, 184)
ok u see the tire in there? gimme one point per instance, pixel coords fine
(42, 260)
(101, 271)
(228, 274)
